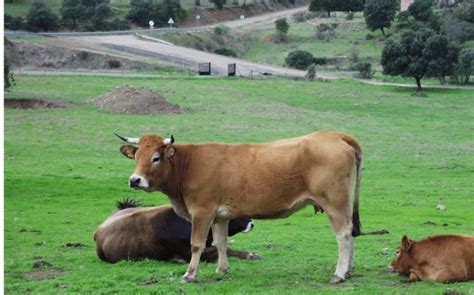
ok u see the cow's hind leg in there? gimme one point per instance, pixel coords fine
(201, 223)
(219, 232)
(341, 222)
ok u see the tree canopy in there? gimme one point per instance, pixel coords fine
(379, 14)
(419, 53)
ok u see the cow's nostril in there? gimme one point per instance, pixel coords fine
(134, 182)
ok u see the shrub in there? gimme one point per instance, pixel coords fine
(350, 15)
(221, 30)
(365, 69)
(226, 51)
(299, 59)
(83, 55)
(325, 32)
(465, 67)
(114, 64)
(311, 74)
(355, 54)
(8, 80)
(369, 37)
(320, 61)
(282, 28)
(41, 18)
(14, 22)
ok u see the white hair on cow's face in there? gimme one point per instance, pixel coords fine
(248, 228)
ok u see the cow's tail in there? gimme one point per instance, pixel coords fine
(356, 226)
(128, 203)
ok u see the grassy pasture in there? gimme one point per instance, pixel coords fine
(63, 174)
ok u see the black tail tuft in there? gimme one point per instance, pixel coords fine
(355, 224)
(128, 203)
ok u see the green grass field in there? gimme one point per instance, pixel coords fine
(302, 36)
(63, 174)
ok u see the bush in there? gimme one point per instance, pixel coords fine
(299, 59)
(119, 24)
(114, 64)
(83, 55)
(350, 15)
(226, 51)
(41, 18)
(8, 80)
(221, 30)
(369, 37)
(365, 70)
(455, 29)
(311, 74)
(355, 54)
(14, 22)
(282, 28)
(465, 67)
(325, 32)
(320, 61)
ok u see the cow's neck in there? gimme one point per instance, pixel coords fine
(174, 187)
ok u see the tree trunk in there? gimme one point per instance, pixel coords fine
(329, 13)
(383, 32)
(197, 2)
(418, 84)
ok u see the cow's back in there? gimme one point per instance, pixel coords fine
(454, 252)
(279, 173)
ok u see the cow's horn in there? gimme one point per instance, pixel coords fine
(127, 139)
(169, 140)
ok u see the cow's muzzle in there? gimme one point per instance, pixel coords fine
(137, 182)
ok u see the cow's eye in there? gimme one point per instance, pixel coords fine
(398, 252)
(155, 159)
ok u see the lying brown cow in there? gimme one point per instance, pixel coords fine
(132, 233)
(443, 259)
(210, 184)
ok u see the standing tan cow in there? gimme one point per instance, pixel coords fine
(209, 184)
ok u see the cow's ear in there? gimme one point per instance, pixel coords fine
(169, 151)
(406, 243)
(129, 151)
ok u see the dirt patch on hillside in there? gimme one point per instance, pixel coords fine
(32, 104)
(23, 54)
(131, 100)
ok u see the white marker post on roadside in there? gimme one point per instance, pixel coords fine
(171, 22)
(198, 17)
(152, 24)
(242, 17)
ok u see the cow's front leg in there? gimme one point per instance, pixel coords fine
(201, 224)
(219, 233)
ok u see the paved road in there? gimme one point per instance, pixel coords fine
(182, 56)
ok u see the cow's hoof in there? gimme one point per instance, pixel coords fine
(185, 280)
(336, 280)
(222, 270)
(254, 256)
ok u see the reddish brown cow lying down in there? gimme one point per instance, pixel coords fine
(444, 259)
(156, 233)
